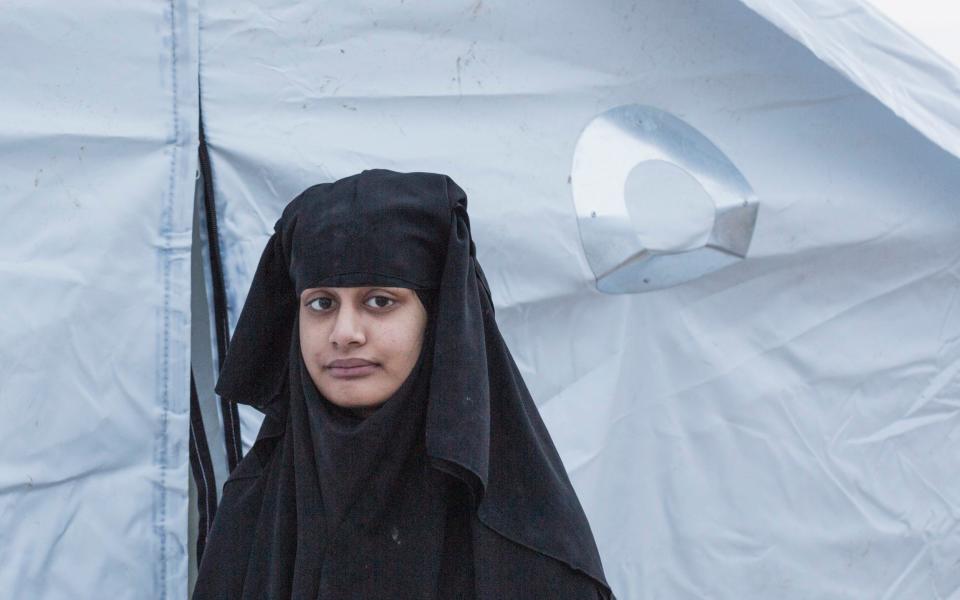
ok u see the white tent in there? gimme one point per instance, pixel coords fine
(784, 427)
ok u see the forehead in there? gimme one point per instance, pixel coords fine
(355, 290)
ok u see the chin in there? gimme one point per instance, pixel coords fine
(354, 399)
(357, 404)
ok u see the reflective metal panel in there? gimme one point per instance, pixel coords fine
(609, 148)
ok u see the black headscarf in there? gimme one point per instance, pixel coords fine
(452, 488)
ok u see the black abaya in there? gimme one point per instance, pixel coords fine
(452, 488)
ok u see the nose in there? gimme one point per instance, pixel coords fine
(347, 328)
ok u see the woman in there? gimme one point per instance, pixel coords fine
(401, 455)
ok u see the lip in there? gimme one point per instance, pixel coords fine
(350, 368)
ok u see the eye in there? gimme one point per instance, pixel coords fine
(320, 303)
(379, 302)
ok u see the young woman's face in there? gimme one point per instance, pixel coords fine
(360, 343)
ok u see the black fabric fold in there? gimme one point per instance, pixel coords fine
(452, 488)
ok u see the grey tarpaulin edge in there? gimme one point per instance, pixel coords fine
(200, 459)
(231, 416)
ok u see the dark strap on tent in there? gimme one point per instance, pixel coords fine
(202, 467)
(200, 459)
(231, 417)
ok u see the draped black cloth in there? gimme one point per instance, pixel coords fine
(452, 488)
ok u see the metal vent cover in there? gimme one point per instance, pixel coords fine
(607, 151)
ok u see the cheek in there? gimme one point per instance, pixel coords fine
(402, 348)
(311, 341)
(405, 342)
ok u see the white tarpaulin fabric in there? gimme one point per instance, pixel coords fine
(882, 56)
(782, 428)
(98, 136)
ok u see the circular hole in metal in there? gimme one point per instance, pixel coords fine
(669, 209)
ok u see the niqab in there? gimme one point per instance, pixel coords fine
(452, 488)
